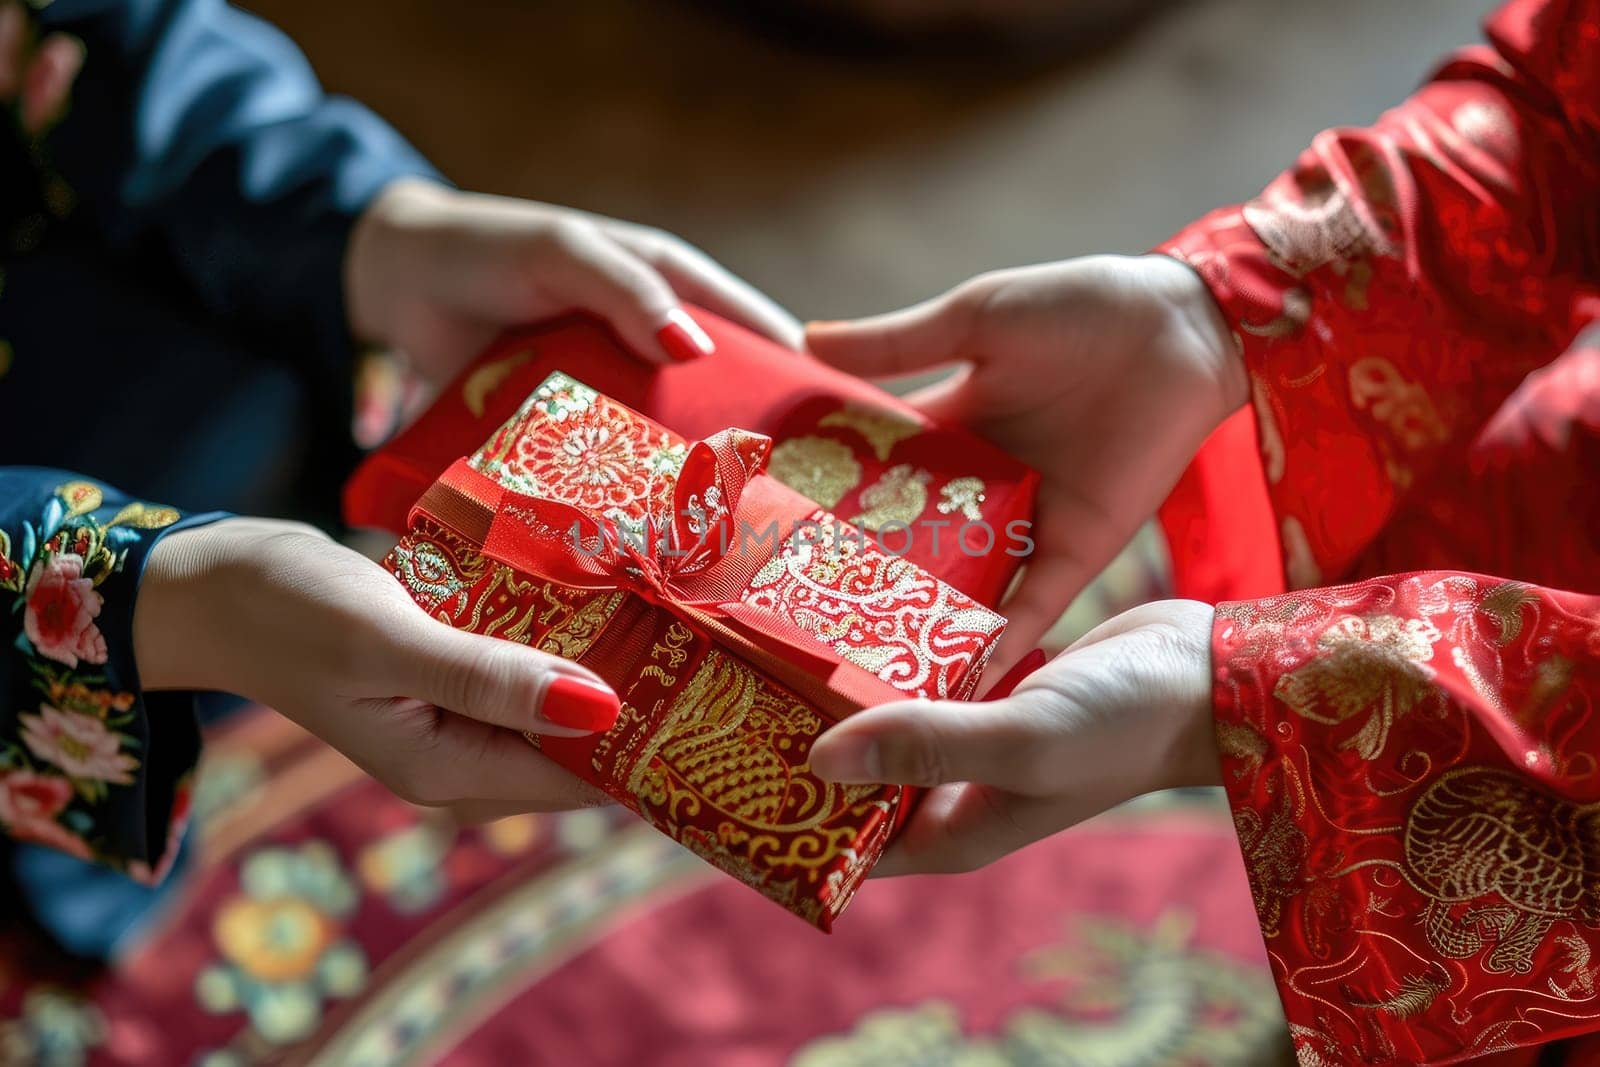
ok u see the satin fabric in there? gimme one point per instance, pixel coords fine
(1412, 758)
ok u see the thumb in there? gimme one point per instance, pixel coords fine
(924, 335)
(48, 82)
(500, 682)
(928, 743)
(600, 276)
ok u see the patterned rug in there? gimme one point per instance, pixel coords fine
(328, 923)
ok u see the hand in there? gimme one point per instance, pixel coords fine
(35, 79)
(1124, 711)
(1104, 374)
(437, 274)
(277, 612)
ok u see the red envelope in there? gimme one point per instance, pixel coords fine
(584, 530)
(952, 504)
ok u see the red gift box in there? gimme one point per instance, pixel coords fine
(735, 618)
(951, 503)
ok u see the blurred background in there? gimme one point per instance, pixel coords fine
(847, 156)
(853, 156)
(851, 166)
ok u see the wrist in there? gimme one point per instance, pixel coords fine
(197, 591)
(1196, 326)
(1192, 750)
(169, 633)
(382, 244)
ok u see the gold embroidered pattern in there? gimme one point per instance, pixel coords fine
(1403, 408)
(1582, 983)
(428, 574)
(668, 654)
(1504, 604)
(882, 429)
(1275, 860)
(732, 743)
(81, 497)
(487, 378)
(1478, 833)
(505, 607)
(816, 467)
(965, 495)
(1240, 741)
(1416, 995)
(1371, 665)
(880, 612)
(1324, 226)
(571, 637)
(568, 443)
(898, 497)
(145, 516)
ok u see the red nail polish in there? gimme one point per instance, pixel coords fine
(683, 338)
(579, 704)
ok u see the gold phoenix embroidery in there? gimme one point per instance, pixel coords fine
(1479, 832)
(731, 742)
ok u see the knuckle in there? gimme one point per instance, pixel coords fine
(483, 678)
(655, 243)
(973, 293)
(917, 756)
(565, 238)
(467, 675)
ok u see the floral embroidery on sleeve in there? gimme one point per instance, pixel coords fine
(85, 765)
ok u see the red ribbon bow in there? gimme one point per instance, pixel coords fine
(695, 562)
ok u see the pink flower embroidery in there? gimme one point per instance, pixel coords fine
(62, 605)
(26, 796)
(29, 804)
(78, 744)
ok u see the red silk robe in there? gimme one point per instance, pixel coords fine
(1414, 761)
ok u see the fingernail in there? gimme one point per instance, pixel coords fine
(579, 704)
(849, 759)
(683, 338)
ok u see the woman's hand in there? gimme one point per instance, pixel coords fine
(1104, 374)
(277, 612)
(35, 79)
(1124, 711)
(436, 274)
